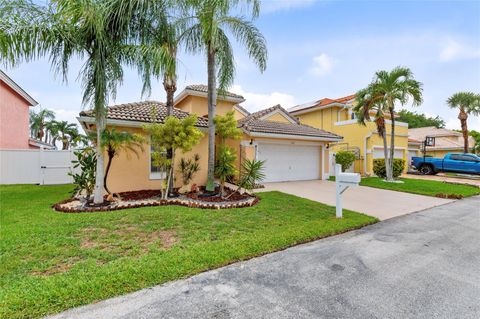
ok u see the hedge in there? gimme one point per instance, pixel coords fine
(379, 167)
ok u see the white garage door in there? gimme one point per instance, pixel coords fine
(287, 162)
(378, 153)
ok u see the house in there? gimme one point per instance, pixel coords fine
(292, 151)
(446, 141)
(14, 115)
(337, 116)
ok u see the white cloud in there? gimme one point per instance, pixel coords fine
(65, 115)
(322, 65)
(454, 50)
(279, 5)
(258, 101)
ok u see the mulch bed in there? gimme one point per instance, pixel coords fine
(449, 196)
(145, 198)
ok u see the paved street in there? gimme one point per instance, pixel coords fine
(422, 265)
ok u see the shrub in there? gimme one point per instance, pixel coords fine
(345, 158)
(188, 168)
(225, 165)
(380, 171)
(84, 180)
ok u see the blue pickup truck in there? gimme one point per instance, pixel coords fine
(452, 162)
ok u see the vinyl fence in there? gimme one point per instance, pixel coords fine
(44, 167)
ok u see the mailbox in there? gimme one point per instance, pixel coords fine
(342, 182)
(349, 178)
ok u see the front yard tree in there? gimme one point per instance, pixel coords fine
(380, 97)
(175, 134)
(114, 142)
(226, 128)
(206, 33)
(466, 103)
(100, 32)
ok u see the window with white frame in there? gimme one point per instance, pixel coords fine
(156, 172)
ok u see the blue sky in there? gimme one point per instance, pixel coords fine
(321, 49)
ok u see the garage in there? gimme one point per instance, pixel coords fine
(378, 153)
(290, 162)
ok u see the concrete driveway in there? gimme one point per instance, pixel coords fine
(423, 265)
(380, 203)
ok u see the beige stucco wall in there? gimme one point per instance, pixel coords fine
(277, 117)
(198, 105)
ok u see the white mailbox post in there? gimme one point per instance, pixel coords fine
(342, 182)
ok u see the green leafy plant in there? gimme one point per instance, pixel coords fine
(174, 134)
(345, 158)
(84, 181)
(225, 166)
(380, 170)
(467, 103)
(188, 168)
(251, 173)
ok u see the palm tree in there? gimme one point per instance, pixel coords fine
(52, 129)
(205, 31)
(386, 90)
(67, 132)
(467, 103)
(104, 33)
(38, 121)
(114, 142)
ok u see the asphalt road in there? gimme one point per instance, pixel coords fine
(423, 265)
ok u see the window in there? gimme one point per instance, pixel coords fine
(156, 172)
(353, 116)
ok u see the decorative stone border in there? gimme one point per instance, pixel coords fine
(72, 205)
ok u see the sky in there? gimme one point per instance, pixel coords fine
(318, 49)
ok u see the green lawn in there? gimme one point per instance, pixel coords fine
(53, 261)
(422, 187)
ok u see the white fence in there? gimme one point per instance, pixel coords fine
(44, 167)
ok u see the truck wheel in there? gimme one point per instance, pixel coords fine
(426, 170)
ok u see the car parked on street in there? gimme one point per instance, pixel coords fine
(452, 162)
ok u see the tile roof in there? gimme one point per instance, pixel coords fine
(321, 102)
(141, 112)
(253, 124)
(444, 138)
(244, 110)
(204, 89)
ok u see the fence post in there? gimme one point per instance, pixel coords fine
(42, 167)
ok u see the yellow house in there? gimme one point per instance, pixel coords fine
(291, 151)
(446, 141)
(336, 115)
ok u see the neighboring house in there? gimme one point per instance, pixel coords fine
(14, 116)
(336, 115)
(292, 151)
(446, 141)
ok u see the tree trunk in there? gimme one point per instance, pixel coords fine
(170, 86)
(385, 154)
(463, 116)
(212, 100)
(110, 158)
(392, 145)
(98, 193)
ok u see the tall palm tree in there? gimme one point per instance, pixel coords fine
(52, 129)
(386, 90)
(466, 103)
(100, 32)
(206, 25)
(114, 142)
(38, 121)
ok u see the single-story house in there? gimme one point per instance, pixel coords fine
(292, 151)
(446, 141)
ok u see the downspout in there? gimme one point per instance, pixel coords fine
(365, 153)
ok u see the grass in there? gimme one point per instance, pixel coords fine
(420, 186)
(53, 261)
